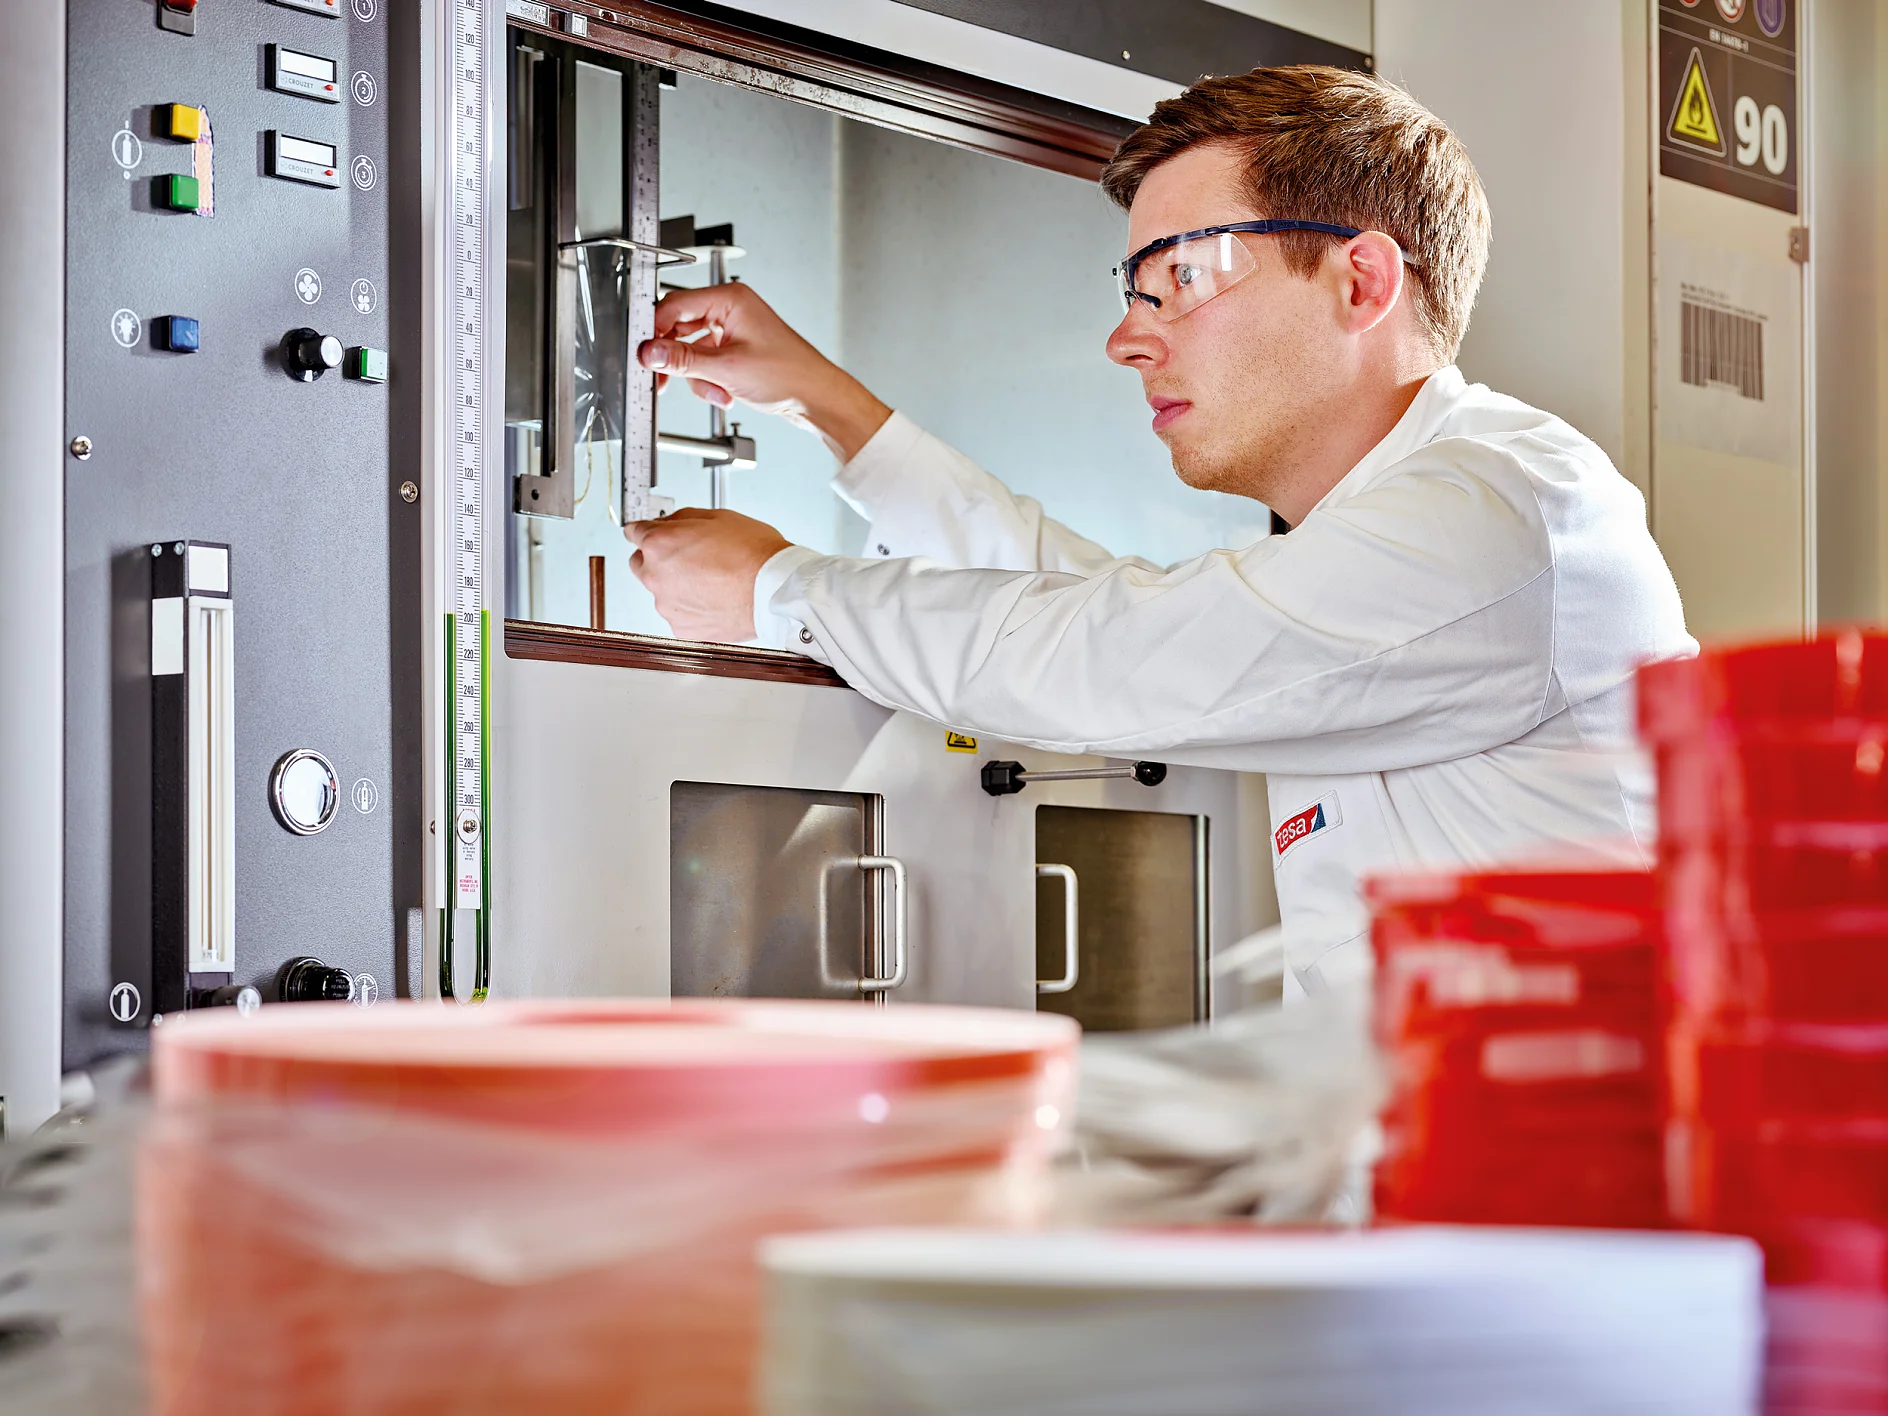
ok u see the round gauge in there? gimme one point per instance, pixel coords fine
(304, 791)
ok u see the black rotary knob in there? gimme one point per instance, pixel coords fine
(307, 354)
(308, 980)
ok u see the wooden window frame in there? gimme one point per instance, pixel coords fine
(839, 77)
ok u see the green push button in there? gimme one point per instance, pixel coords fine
(368, 364)
(178, 192)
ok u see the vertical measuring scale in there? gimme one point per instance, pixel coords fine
(470, 128)
(717, 416)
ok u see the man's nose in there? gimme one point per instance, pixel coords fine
(1136, 341)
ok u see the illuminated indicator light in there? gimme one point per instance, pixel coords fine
(178, 192)
(183, 122)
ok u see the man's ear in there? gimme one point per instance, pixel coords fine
(1371, 267)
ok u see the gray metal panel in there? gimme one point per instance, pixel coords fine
(32, 295)
(758, 876)
(1141, 877)
(299, 479)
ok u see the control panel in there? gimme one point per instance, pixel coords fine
(242, 394)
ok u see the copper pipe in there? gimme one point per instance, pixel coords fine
(597, 615)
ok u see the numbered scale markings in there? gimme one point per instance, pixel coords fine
(469, 886)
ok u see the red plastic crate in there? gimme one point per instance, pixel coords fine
(1813, 965)
(1724, 777)
(1799, 865)
(1747, 1180)
(1522, 1016)
(1792, 1072)
(1840, 674)
(1610, 1179)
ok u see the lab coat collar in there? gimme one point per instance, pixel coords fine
(1421, 423)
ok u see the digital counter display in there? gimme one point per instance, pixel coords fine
(309, 66)
(304, 75)
(301, 150)
(303, 160)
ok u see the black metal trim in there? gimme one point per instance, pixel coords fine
(1180, 40)
(857, 80)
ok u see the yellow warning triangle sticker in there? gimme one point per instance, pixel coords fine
(1695, 117)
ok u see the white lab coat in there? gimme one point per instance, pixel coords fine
(1433, 669)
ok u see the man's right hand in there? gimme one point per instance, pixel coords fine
(729, 344)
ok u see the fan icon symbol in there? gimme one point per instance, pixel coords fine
(307, 286)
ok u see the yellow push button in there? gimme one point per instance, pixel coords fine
(183, 122)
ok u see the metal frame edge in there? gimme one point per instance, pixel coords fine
(32, 562)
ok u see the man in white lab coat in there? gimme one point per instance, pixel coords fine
(1433, 665)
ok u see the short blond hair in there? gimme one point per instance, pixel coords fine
(1324, 144)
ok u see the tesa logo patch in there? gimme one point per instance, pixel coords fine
(1321, 815)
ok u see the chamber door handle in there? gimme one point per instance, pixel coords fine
(1071, 930)
(901, 924)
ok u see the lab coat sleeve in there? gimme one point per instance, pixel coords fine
(925, 498)
(1410, 623)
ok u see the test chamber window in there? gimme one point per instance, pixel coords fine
(971, 292)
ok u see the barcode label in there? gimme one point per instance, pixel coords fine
(1721, 348)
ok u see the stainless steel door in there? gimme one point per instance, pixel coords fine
(1142, 940)
(766, 895)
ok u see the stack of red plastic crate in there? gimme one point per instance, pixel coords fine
(1773, 808)
(1521, 1014)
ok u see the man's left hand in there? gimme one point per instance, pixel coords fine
(700, 566)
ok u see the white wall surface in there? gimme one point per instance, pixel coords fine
(1537, 93)
(1345, 22)
(1846, 284)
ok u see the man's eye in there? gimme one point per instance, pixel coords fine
(1184, 275)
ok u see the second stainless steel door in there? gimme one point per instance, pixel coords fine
(1140, 877)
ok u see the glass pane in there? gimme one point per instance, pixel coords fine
(898, 258)
(567, 333)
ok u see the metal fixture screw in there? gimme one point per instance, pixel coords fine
(1126, 55)
(81, 447)
(409, 492)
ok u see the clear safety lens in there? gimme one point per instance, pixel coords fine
(1186, 276)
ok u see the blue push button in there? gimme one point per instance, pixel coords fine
(177, 333)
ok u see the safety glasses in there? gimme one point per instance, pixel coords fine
(1175, 275)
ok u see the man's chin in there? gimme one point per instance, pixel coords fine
(1202, 473)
